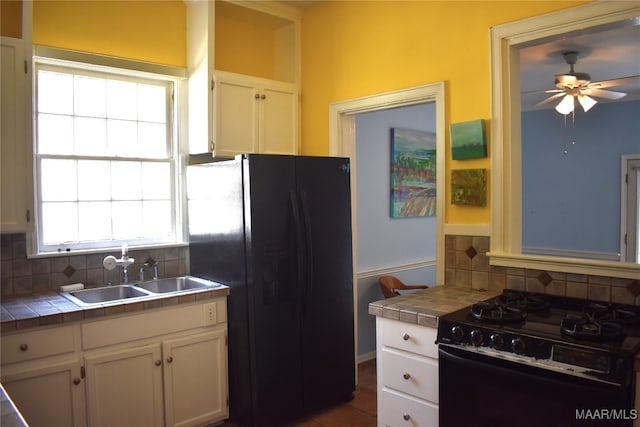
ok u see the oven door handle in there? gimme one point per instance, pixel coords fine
(494, 364)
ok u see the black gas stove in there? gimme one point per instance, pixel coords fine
(579, 337)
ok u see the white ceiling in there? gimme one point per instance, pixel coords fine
(606, 53)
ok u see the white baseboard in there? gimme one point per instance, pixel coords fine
(366, 357)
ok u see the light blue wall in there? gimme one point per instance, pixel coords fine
(571, 200)
(384, 242)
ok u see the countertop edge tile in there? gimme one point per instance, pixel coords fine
(424, 307)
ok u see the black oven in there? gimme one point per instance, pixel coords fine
(520, 368)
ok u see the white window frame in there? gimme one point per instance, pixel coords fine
(630, 217)
(176, 77)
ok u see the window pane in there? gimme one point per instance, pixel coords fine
(126, 181)
(156, 181)
(126, 218)
(122, 137)
(90, 96)
(95, 221)
(117, 181)
(122, 100)
(59, 223)
(157, 219)
(55, 134)
(55, 92)
(94, 180)
(152, 140)
(58, 180)
(152, 103)
(90, 136)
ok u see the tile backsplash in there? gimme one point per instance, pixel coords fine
(467, 265)
(22, 276)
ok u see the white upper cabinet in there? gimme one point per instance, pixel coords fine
(244, 73)
(16, 196)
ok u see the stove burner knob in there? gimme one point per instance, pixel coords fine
(497, 341)
(476, 337)
(517, 345)
(457, 332)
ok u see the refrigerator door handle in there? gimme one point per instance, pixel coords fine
(300, 254)
(308, 247)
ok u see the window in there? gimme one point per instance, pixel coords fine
(106, 158)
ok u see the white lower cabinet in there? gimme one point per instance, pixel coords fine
(124, 388)
(195, 379)
(407, 363)
(163, 367)
(52, 395)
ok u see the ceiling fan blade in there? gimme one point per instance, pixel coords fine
(600, 93)
(549, 99)
(529, 92)
(616, 82)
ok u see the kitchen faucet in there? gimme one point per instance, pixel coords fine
(153, 265)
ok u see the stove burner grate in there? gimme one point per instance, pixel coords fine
(497, 313)
(586, 326)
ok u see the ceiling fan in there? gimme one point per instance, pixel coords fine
(577, 86)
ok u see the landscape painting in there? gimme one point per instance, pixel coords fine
(469, 187)
(413, 173)
(468, 140)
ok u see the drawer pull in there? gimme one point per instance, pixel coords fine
(24, 347)
(406, 337)
(406, 376)
(406, 417)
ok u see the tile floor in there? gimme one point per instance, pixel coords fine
(359, 412)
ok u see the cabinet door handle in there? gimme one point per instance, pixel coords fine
(406, 376)
(158, 362)
(406, 417)
(76, 381)
(263, 96)
(406, 337)
(24, 347)
(169, 359)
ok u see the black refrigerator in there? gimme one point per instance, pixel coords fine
(279, 235)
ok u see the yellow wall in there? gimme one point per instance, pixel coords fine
(11, 18)
(152, 31)
(357, 48)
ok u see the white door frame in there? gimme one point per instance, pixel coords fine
(342, 142)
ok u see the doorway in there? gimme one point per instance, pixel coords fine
(343, 123)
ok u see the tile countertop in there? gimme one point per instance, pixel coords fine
(426, 305)
(51, 308)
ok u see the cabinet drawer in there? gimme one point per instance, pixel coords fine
(410, 374)
(408, 337)
(397, 410)
(31, 345)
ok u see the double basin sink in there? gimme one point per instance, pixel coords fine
(138, 291)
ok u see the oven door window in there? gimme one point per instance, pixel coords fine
(477, 390)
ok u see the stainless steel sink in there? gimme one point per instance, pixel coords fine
(138, 291)
(176, 284)
(105, 294)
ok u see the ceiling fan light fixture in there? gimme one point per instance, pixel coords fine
(566, 105)
(587, 102)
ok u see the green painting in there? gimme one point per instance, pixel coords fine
(413, 173)
(468, 140)
(469, 187)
